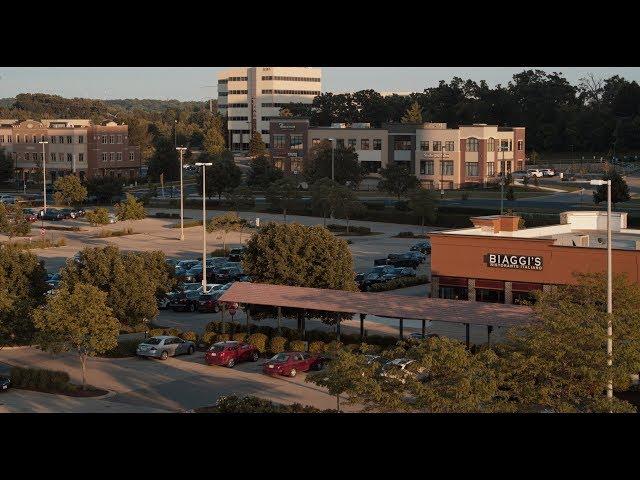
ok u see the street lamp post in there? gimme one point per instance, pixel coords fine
(181, 150)
(204, 226)
(609, 287)
(333, 150)
(44, 175)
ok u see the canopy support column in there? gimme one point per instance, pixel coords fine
(424, 329)
(279, 320)
(401, 328)
(362, 317)
(489, 330)
(467, 336)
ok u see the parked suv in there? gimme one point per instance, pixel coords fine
(185, 301)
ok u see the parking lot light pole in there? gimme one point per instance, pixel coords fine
(609, 288)
(204, 226)
(44, 176)
(181, 150)
(333, 170)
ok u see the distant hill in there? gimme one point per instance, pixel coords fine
(152, 105)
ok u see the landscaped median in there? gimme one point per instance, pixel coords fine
(39, 243)
(50, 381)
(399, 283)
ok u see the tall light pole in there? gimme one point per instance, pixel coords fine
(609, 288)
(333, 154)
(44, 175)
(181, 150)
(204, 226)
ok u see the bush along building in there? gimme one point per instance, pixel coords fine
(440, 157)
(73, 146)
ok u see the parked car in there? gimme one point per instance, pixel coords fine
(30, 215)
(519, 174)
(408, 259)
(5, 383)
(236, 254)
(52, 214)
(164, 300)
(230, 353)
(113, 218)
(208, 302)
(418, 336)
(68, 213)
(422, 247)
(289, 364)
(548, 172)
(382, 273)
(184, 301)
(228, 274)
(53, 281)
(400, 369)
(7, 199)
(183, 267)
(535, 172)
(164, 346)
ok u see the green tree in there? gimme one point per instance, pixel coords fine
(131, 296)
(397, 180)
(283, 194)
(104, 188)
(256, 146)
(346, 166)
(344, 202)
(510, 195)
(619, 188)
(560, 361)
(98, 216)
(222, 176)
(22, 289)
(77, 320)
(13, 221)
(422, 203)
(296, 255)
(69, 190)
(285, 112)
(321, 192)
(130, 209)
(213, 142)
(6, 166)
(226, 223)
(240, 197)
(263, 173)
(413, 114)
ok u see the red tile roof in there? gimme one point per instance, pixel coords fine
(381, 304)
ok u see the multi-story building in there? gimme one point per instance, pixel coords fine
(73, 146)
(441, 157)
(251, 97)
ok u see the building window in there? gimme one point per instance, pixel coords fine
(104, 157)
(364, 144)
(491, 169)
(377, 144)
(17, 138)
(104, 139)
(111, 156)
(424, 146)
(446, 167)
(296, 141)
(119, 138)
(264, 132)
(340, 143)
(9, 139)
(399, 144)
(131, 156)
(510, 146)
(81, 157)
(351, 143)
(53, 139)
(81, 139)
(519, 145)
(53, 157)
(279, 141)
(504, 145)
(426, 167)
(69, 139)
(491, 145)
(119, 156)
(315, 141)
(69, 157)
(61, 157)
(35, 139)
(449, 146)
(60, 139)
(472, 169)
(112, 138)
(1, 138)
(26, 139)
(437, 146)
(472, 144)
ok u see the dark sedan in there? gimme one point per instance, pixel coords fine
(185, 301)
(208, 302)
(228, 274)
(54, 215)
(5, 383)
(236, 254)
(422, 247)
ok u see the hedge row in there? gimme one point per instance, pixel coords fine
(352, 229)
(399, 283)
(40, 379)
(250, 404)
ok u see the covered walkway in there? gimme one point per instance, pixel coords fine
(381, 304)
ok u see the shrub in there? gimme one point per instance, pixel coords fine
(266, 330)
(172, 331)
(99, 216)
(298, 346)
(290, 333)
(190, 335)
(317, 347)
(352, 347)
(40, 379)
(258, 340)
(399, 283)
(320, 336)
(374, 205)
(406, 235)
(350, 338)
(154, 332)
(352, 229)
(208, 337)
(277, 344)
(464, 196)
(219, 252)
(212, 327)
(105, 233)
(250, 404)
(383, 341)
(222, 337)
(239, 337)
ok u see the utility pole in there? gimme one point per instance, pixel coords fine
(181, 150)
(44, 175)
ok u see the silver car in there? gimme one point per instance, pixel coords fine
(164, 346)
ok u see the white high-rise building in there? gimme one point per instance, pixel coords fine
(251, 96)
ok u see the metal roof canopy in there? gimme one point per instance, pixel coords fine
(380, 304)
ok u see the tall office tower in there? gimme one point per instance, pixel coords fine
(251, 96)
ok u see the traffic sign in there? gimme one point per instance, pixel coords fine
(42, 232)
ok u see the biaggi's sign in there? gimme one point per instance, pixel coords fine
(520, 262)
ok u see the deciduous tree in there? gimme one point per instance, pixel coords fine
(413, 114)
(222, 176)
(77, 320)
(257, 146)
(263, 173)
(346, 165)
(240, 197)
(397, 180)
(422, 203)
(619, 188)
(225, 223)
(283, 195)
(69, 190)
(13, 221)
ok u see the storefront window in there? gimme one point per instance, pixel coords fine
(446, 167)
(472, 169)
(426, 167)
(454, 293)
(278, 141)
(489, 295)
(296, 142)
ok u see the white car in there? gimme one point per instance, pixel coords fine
(535, 172)
(113, 218)
(548, 172)
(400, 369)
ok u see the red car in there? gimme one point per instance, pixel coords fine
(290, 363)
(229, 353)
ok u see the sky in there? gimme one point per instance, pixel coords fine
(193, 83)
